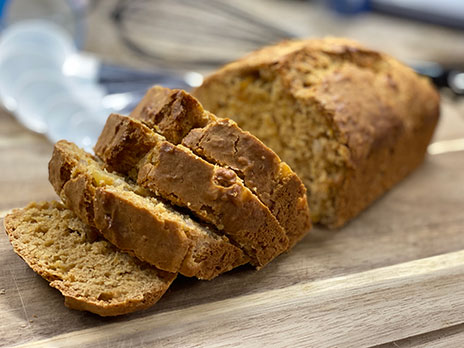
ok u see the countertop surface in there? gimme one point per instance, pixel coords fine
(393, 277)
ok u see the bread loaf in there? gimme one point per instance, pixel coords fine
(179, 117)
(91, 274)
(132, 220)
(350, 121)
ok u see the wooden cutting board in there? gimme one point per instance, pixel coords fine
(393, 276)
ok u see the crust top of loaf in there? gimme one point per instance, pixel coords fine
(349, 120)
(367, 96)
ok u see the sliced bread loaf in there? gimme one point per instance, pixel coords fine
(152, 230)
(215, 194)
(350, 121)
(179, 117)
(91, 274)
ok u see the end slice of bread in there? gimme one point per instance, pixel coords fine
(91, 274)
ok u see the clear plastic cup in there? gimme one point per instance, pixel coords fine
(41, 94)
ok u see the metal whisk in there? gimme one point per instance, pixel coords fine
(192, 33)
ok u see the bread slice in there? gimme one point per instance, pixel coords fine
(276, 185)
(171, 112)
(215, 194)
(91, 274)
(179, 117)
(133, 221)
(350, 121)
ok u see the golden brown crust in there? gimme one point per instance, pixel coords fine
(372, 103)
(60, 168)
(119, 130)
(222, 142)
(78, 194)
(171, 112)
(74, 300)
(385, 167)
(123, 143)
(209, 257)
(145, 226)
(290, 205)
(128, 223)
(392, 133)
(283, 52)
(34, 257)
(277, 186)
(190, 181)
(216, 195)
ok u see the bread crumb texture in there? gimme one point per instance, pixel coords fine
(91, 273)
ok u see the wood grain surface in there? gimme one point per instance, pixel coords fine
(394, 277)
(395, 272)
